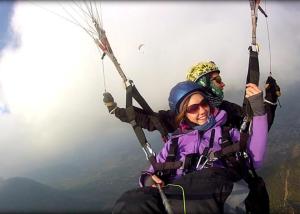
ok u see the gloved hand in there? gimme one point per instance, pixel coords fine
(109, 102)
(272, 91)
(255, 97)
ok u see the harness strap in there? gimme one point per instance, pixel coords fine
(167, 169)
(150, 155)
(131, 92)
(244, 163)
(228, 150)
(153, 117)
(243, 141)
(254, 7)
(253, 68)
(206, 157)
(172, 157)
(211, 144)
(212, 138)
(226, 139)
(228, 147)
(172, 150)
(167, 166)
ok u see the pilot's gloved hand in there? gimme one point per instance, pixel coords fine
(109, 102)
(255, 97)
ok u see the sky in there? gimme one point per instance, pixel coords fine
(6, 8)
(51, 71)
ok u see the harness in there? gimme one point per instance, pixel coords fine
(232, 155)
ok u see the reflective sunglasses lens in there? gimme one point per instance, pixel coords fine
(218, 79)
(194, 108)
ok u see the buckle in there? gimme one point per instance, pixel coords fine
(207, 161)
(202, 157)
(148, 151)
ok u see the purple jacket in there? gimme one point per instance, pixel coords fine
(191, 142)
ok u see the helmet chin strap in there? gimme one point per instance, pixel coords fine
(209, 123)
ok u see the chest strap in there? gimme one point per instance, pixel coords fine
(196, 161)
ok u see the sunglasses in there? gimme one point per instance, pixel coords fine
(192, 109)
(218, 79)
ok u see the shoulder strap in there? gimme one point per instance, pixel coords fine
(226, 138)
(167, 169)
(173, 150)
(211, 142)
(132, 92)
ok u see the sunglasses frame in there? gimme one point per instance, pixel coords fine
(192, 109)
(218, 79)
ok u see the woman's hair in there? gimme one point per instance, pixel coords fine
(181, 115)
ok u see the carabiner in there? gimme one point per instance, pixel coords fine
(199, 162)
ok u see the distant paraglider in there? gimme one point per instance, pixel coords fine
(140, 46)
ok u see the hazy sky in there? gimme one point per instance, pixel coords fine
(51, 71)
(5, 14)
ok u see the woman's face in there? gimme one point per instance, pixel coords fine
(198, 109)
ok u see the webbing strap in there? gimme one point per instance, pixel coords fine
(170, 165)
(141, 101)
(167, 166)
(212, 138)
(150, 155)
(132, 92)
(226, 139)
(243, 141)
(253, 68)
(254, 7)
(228, 147)
(211, 143)
(172, 150)
(228, 150)
(252, 77)
(246, 169)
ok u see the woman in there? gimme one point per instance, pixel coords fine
(206, 178)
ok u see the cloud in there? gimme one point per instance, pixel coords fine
(53, 81)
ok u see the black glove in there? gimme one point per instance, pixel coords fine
(272, 92)
(257, 104)
(109, 102)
